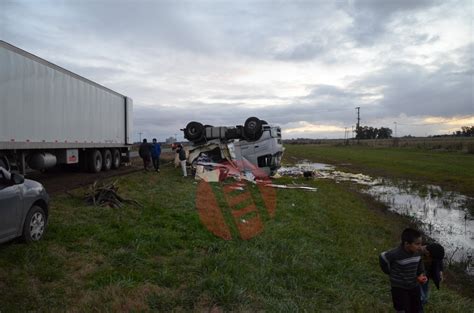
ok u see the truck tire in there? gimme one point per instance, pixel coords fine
(116, 158)
(34, 225)
(106, 160)
(253, 128)
(94, 161)
(193, 131)
(83, 167)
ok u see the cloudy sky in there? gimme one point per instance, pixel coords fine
(304, 65)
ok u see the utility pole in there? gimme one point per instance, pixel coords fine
(358, 123)
(140, 134)
(358, 118)
(395, 129)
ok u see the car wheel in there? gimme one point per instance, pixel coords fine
(106, 160)
(193, 131)
(35, 224)
(253, 128)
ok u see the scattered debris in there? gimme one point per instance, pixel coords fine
(292, 187)
(106, 195)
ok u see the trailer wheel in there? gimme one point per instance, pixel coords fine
(193, 131)
(116, 158)
(83, 160)
(106, 160)
(253, 128)
(94, 161)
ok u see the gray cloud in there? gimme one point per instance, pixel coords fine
(221, 62)
(414, 90)
(372, 17)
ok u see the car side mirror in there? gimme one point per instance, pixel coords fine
(17, 179)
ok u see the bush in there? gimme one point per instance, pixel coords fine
(470, 148)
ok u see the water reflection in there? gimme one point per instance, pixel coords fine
(443, 215)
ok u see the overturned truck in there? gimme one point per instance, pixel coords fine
(256, 143)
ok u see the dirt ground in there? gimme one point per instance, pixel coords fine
(60, 180)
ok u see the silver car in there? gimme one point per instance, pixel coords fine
(23, 208)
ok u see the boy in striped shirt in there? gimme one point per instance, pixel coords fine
(405, 268)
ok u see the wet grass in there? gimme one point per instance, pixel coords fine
(319, 253)
(451, 170)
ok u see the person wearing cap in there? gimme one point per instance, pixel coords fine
(433, 255)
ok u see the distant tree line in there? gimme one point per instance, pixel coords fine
(367, 132)
(466, 131)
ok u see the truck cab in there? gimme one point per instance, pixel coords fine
(256, 142)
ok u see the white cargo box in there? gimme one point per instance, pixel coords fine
(45, 106)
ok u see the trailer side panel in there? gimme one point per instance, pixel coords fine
(42, 103)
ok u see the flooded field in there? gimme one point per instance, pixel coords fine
(445, 216)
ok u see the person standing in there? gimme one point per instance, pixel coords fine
(155, 155)
(144, 151)
(182, 158)
(406, 271)
(432, 256)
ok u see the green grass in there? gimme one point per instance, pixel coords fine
(452, 170)
(319, 253)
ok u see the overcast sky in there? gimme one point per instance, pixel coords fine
(304, 65)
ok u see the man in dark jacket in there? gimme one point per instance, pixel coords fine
(144, 151)
(155, 155)
(182, 158)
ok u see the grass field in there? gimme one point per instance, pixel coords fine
(452, 170)
(319, 254)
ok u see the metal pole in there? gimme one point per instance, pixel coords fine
(358, 117)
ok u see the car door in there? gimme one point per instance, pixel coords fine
(10, 201)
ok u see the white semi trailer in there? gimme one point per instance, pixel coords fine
(51, 116)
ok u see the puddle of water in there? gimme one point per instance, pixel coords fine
(444, 216)
(299, 169)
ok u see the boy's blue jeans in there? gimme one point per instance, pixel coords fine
(425, 292)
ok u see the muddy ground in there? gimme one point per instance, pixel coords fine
(60, 180)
